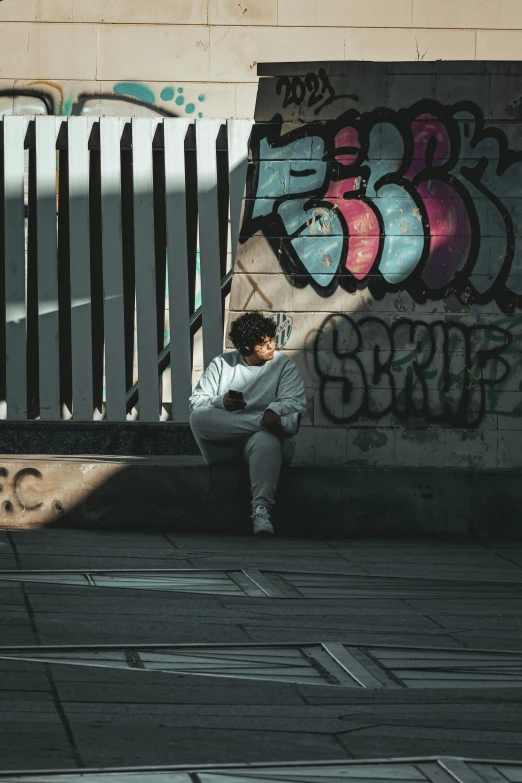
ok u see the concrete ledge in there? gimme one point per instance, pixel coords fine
(134, 438)
(182, 493)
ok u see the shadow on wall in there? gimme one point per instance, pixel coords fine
(180, 494)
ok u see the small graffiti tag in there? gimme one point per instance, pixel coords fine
(314, 89)
(19, 495)
(284, 323)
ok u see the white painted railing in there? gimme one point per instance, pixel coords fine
(99, 238)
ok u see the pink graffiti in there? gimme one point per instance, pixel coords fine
(450, 229)
(431, 143)
(359, 214)
(450, 233)
(347, 145)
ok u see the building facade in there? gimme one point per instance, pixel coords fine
(200, 58)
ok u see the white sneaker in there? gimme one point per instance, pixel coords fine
(261, 520)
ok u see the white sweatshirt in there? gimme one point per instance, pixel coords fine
(276, 384)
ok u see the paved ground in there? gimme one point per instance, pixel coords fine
(59, 716)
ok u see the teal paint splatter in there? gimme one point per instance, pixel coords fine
(135, 90)
(167, 94)
(180, 89)
(200, 114)
(67, 106)
(201, 98)
(180, 100)
(189, 108)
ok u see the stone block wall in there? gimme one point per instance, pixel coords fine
(381, 229)
(190, 57)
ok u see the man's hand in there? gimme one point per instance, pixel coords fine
(233, 404)
(272, 422)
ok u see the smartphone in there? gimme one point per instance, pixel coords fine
(235, 395)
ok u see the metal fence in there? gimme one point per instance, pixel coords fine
(102, 223)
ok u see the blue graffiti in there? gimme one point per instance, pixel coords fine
(425, 199)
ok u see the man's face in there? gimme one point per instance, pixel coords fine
(264, 351)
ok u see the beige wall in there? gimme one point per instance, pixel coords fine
(211, 48)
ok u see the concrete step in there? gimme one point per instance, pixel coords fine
(183, 493)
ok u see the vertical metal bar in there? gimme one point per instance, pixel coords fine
(33, 363)
(3, 309)
(81, 336)
(47, 251)
(160, 239)
(129, 277)
(96, 270)
(223, 191)
(206, 135)
(142, 134)
(110, 135)
(191, 198)
(238, 132)
(16, 356)
(64, 280)
(160, 250)
(175, 131)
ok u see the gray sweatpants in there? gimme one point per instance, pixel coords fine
(225, 436)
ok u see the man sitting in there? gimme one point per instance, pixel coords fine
(249, 403)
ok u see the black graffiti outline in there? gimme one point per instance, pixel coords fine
(17, 483)
(52, 106)
(411, 410)
(461, 286)
(26, 92)
(4, 473)
(78, 105)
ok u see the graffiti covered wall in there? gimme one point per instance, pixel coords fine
(382, 221)
(120, 99)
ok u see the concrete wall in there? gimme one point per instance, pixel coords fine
(186, 57)
(382, 228)
(182, 493)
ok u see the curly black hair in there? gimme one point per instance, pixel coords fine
(250, 330)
